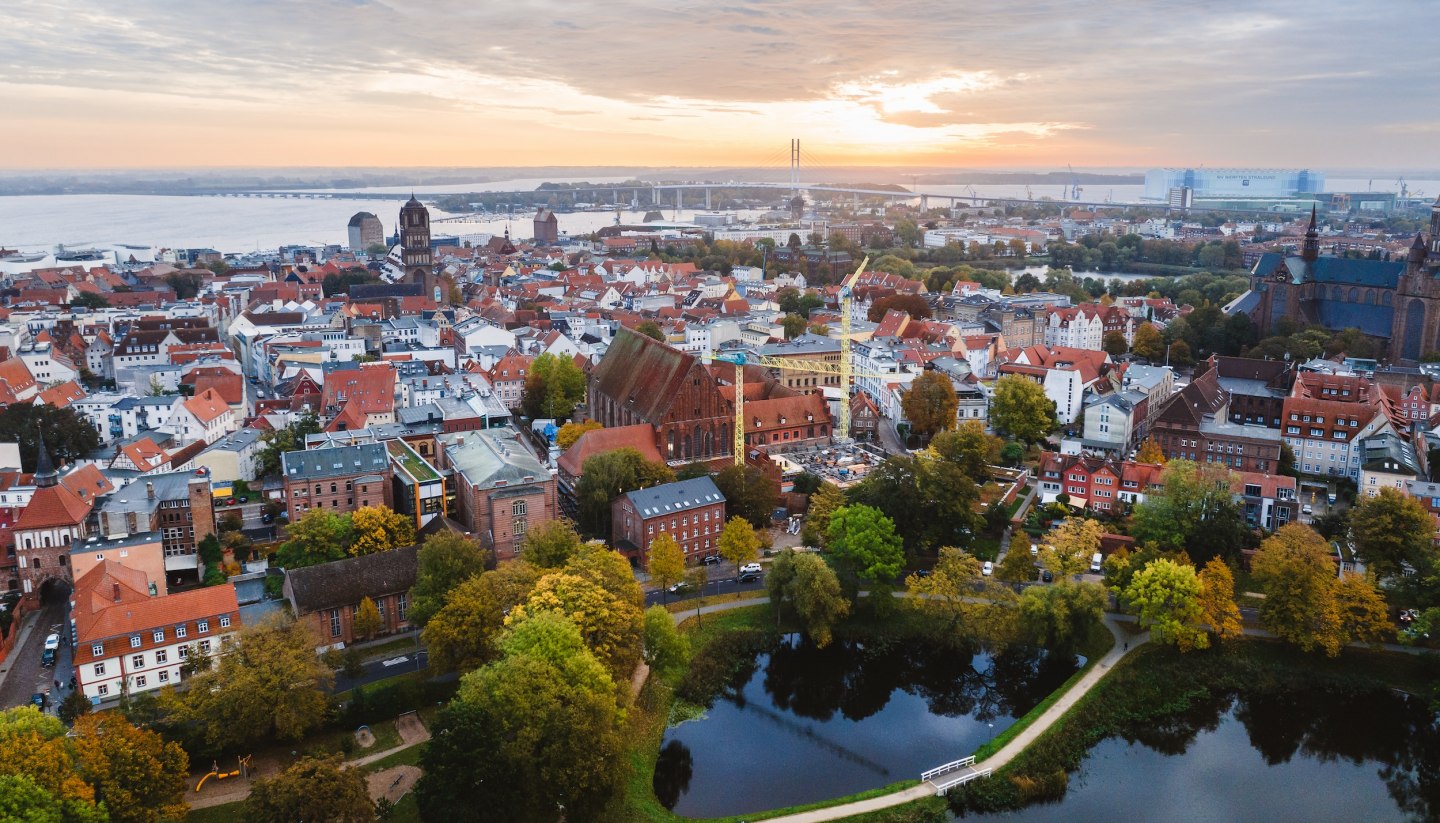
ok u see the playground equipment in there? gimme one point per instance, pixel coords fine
(243, 770)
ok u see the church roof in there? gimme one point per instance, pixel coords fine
(642, 374)
(1382, 274)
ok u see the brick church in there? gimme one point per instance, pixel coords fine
(1397, 302)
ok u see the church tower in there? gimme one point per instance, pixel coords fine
(415, 254)
(1310, 252)
(1434, 256)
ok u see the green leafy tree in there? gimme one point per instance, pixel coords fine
(749, 493)
(667, 651)
(73, 707)
(1069, 549)
(554, 639)
(1020, 408)
(90, 300)
(960, 600)
(1060, 615)
(1392, 531)
(1114, 343)
(777, 582)
(738, 542)
(552, 544)
(1148, 343)
(864, 546)
(651, 329)
(611, 626)
(521, 740)
(1166, 595)
(1018, 565)
(931, 499)
(23, 800)
(1195, 511)
(315, 790)
(554, 386)
(445, 560)
(68, 434)
(319, 536)
(793, 325)
(930, 403)
(969, 448)
(462, 634)
(606, 476)
(272, 685)
(814, 592)
(666, 562)
(367, 621)
(823, 503)
(291, 438)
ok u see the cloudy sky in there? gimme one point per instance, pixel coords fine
(987, 83)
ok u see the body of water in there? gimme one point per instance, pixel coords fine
(806, 724)
(1309, 756)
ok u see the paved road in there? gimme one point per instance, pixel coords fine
(397, 664)
(889, 438)
(25, 675)
(718, 585)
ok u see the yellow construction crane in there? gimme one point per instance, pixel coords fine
(844, 369)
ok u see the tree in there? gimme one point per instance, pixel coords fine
(319, 536)
(1166, 595)
(68, 434)
(611, 627)
(606, 476)
(914, 305)
(137, 774)
(1071, 547)
(552, 544)
(461, 635)
(1364, 617)
(519, 740)
(1217, 600)
(749, 493)
(930, 403)
(793, 325)
(553, 639)
(1180, 355)
(445, 560)
(73, 707)
(651, 329)
(864, 546)
(315, 790)
(1017, 566)
(1393, 530)
(23, 800)
(367, 623)
(1297, 577)
(1020, 408)
(571, 432)
(666, 650)
(1149, 452)
(931, 499)
(1148, 342)
(379, 529)
(949, 593)
(1059, 616)
(666, 562)
(815, 593)
(270, 685)
(288, 439)
(970, 448)
(738, 542)
(90, 300)
(553, 387)
(1114, 343)
(823, 503)
(1195, 511)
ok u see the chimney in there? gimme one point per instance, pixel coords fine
(115, 588)
(150, 491)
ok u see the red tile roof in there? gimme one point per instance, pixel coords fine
(62, 395)
(52, 507)
(207, 405)
(639, 437)
(131, 616)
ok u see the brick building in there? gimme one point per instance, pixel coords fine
(179, 505)
(56, 516)
(1195, 425)
(341, 479)
(501, 491)
(641, 380)
(326, 596)
(691, 511)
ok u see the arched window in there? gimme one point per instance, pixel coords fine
(45, 540)
(28, 544)
(66, 539)
(1334, 292)
(1370, 296)
(1354, 295)
(1387, 298)
(695, 443)
(670, 444)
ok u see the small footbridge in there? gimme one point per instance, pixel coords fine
(956, 773)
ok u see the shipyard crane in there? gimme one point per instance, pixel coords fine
(844, 369)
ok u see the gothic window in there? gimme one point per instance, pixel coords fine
(1354, 295)
(1370, 296)
(1334, 292)
(1386, 298)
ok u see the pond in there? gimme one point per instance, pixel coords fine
(1316, 755)
(801, 724)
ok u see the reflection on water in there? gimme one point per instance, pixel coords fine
(801, 724)
(1311, 755)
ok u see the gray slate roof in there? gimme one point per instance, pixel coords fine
(340, 460)
(670, 498)
(346, 582)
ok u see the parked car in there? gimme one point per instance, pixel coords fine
(52, 641)
(1307, 509)
(38, 700)
(711, 560)
(680, 588)
(748, 577)
(987, 568)
(244, 499)
(1047, 577)
(47, 658)
(751, 568)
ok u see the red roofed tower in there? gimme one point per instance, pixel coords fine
(54, 519)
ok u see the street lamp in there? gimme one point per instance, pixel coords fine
(992, 731)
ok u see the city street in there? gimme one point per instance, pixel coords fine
(716, 585)
(26, 675)
(391, 666)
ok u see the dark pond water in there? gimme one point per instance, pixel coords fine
(1307, 757)
(805, 724)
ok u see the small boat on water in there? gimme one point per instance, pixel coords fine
(81, 256)
(23, 257)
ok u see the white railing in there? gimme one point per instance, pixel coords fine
(942, 788)
(947, 768)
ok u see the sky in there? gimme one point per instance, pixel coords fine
(978, 83)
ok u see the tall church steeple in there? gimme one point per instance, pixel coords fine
(45, 474)
(1310, 252)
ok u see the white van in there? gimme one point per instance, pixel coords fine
(1095, 562)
